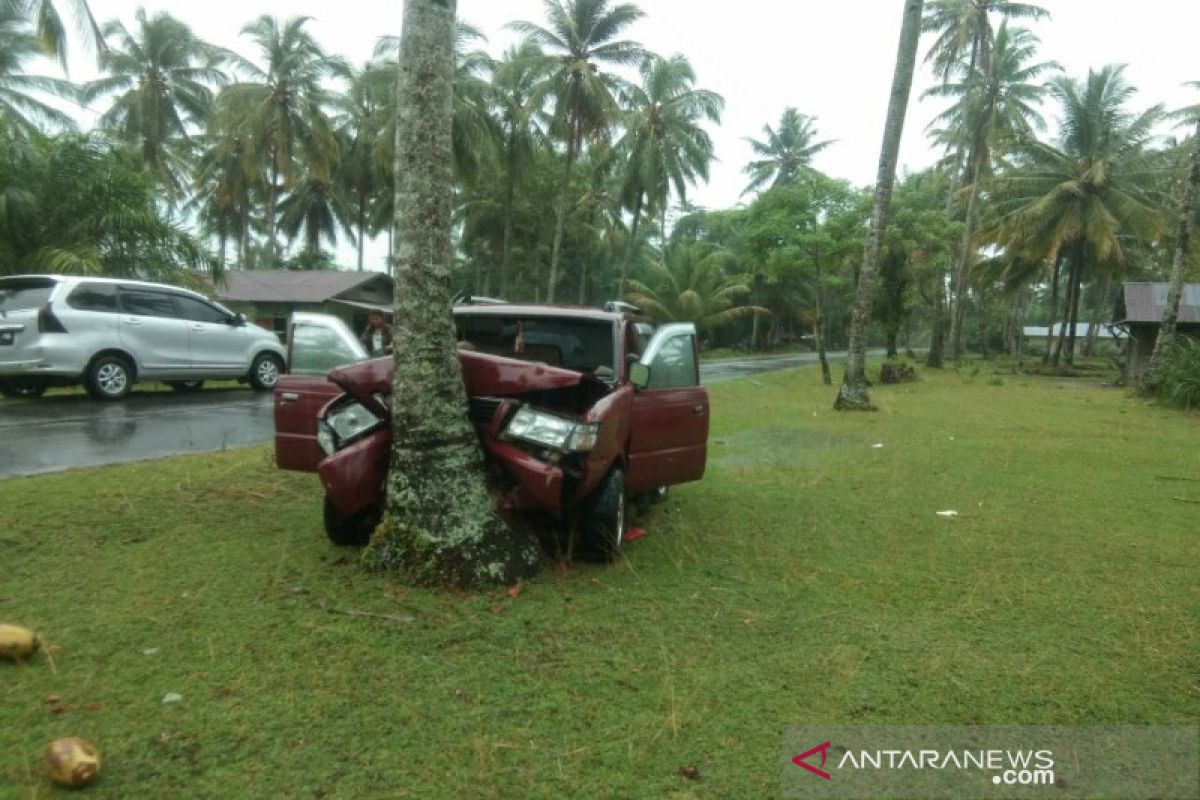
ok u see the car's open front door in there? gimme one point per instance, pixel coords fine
(316, 344)
(669, 438)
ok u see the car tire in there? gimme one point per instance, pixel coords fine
(186, 386)
(109, 378)
(265, 371)
(352, 530)
(18, 388)
(604, 517)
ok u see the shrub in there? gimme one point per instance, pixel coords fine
(1180, 385)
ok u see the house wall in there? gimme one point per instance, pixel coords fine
(1142, 338)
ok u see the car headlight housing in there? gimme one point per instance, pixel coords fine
(548, 430)
(344, 424)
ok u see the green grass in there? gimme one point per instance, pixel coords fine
(806, 580)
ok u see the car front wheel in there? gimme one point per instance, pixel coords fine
(350, 530)
(604, 517)
(109, 378)
(22, 387)
(265, 371)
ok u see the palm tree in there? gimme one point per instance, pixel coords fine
(964, 46)
(580, 42)
(20, 108)
(664, 145)
(361, 120)
(162, 78)
(1081, 200)
(317, 207)
(692, 287)
(785, 153)
(515, 84)
(49, 31)
(1183, 240)
(964, 32)
(853, 393)
(990, 110)
(285, 109)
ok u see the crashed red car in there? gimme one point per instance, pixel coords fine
(578, 410)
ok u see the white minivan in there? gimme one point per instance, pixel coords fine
(108, 333)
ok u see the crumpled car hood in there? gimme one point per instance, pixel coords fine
(484, 374)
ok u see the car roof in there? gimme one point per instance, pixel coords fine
(539, 310)
(115, 281)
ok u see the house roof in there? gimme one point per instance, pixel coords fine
(290, 286)
(1145, 302)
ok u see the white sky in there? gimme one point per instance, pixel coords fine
(831, 59)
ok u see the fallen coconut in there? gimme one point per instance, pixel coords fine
(72, 762)
(17, 643)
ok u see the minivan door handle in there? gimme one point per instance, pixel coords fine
(132, 321)
(289, 397)
(698, 409)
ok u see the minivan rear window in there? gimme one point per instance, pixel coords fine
(17, 294)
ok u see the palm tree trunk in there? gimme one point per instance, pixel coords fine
(362, 227)
(560, 213)
(440, 526)
(271, 202)
(983, 329)
(1076, 291)
(1098, 306)
(937, 335)
(633, 231)
(510, 189)
(853, 393)
(961, 273)
(222, 236)
(1152, 377)
(1054, 280)
(819, 322)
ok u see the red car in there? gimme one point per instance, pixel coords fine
(577, 410)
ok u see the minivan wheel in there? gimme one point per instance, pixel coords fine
(186, 386)
(109, 378)
(22, 387)
(352, 530)
(265, 371)
(604, 517)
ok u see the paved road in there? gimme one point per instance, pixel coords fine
(57, 433)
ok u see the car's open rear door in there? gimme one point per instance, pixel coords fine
(316, 344)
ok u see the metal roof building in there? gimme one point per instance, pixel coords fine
(1140, 311)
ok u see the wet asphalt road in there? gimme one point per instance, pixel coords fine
(58, 433)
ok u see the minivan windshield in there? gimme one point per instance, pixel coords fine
(17, 294)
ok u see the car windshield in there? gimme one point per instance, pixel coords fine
(584, 345)
(23, 293)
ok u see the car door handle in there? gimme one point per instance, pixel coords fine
(698, 409)
(289, 397)
(196, 326)
(132, 321)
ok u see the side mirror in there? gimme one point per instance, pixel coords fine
(237, 320)
(639, 375)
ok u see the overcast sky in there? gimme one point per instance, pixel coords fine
(831, 59)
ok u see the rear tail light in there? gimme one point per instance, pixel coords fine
(48, 323)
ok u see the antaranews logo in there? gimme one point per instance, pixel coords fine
(802, 760)
(981, 762)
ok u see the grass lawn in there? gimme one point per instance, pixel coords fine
(806, 580)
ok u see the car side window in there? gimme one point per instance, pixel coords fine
(94, 297)
(147, 304)
(674, 365)
(198, 311)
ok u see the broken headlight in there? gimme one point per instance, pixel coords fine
(344, 424)
(548, 430)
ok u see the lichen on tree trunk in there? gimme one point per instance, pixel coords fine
(439, 525)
